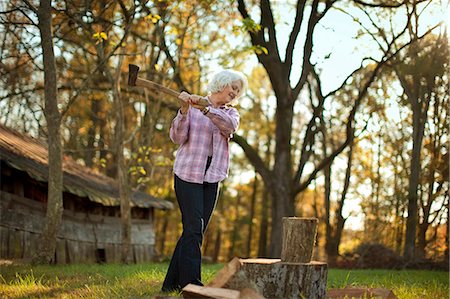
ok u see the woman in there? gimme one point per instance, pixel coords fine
(203, 130)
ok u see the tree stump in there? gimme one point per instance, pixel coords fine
(299, 235)
(274, 279)
(281, 278)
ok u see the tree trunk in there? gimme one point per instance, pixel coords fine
(280, 196)
(122, 173)
(217, 246)
(283, 199)
(92, 132)
(413, 186)
(235, 230)
(47, 244)
(163, 232)
(398, 224)
(422, 240)
(252, 213)
(263, 230)
(281, 186)
(447, 231)
(327, 204)
(335, 240)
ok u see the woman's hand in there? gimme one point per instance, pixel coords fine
(194, 100)
(198, 102)
(184, 101)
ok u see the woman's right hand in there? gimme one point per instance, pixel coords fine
(184, 101)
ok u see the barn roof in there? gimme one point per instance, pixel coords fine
(30, 155)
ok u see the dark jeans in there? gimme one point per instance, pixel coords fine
(196, 202)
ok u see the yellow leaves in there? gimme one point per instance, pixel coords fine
(99, 37)
(248, 25)
(260, 50)
(173, 31)
(251, 26)
(103, 162)
(153, 18)
(137, 170)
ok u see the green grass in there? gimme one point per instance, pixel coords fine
(144, 281)
(406, 284)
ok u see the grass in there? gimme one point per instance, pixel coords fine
(406, 284)
(144, 281)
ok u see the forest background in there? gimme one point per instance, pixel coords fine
(345, 119)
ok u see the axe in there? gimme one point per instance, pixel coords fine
(134, 80)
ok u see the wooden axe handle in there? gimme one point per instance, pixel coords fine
(155, 86)
(134, 80)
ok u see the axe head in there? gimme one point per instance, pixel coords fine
(132, 74)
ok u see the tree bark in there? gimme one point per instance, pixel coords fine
(46, 253)
(332, 244)
(251, 215)
(414, 178)
(163, 233)
(122, 173)
(447, 231)
(235, 230)
(299, 236)
(263, 230)
(217, 245)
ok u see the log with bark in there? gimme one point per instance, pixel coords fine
(299, 235)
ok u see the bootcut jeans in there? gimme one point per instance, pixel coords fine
(196, 202)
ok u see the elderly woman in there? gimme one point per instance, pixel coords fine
(202, 128)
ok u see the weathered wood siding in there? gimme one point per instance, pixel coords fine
(83, 237)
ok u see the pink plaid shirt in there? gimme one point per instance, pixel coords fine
(200, 136)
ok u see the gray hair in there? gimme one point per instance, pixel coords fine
(225, 77)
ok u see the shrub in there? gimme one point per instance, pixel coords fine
(373, 255)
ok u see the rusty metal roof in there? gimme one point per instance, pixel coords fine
(31, 155)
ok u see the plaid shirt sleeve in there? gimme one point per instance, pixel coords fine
(179, 130)
(227, 120)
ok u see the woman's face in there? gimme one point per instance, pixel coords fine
(229, 93)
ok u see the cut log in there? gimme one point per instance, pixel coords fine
(299, 235)
(361, 293)
(232, 274)
(226, 273)
(195, 291)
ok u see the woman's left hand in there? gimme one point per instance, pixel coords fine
(198, 102)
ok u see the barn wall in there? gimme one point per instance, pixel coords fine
(83, 238)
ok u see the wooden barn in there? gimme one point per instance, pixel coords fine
(91, 229)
